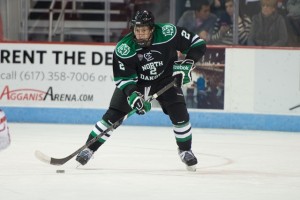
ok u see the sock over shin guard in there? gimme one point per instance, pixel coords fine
(183, 135)
(100, 126)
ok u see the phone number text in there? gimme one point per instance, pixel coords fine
(53, 76)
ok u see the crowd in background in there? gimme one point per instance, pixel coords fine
(260, 23)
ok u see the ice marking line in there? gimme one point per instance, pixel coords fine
(227, 161)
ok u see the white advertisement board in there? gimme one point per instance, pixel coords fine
(73, 83)
(262, 81)
(56, 75)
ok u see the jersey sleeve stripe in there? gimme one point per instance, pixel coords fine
(121, 84)
(197, 42)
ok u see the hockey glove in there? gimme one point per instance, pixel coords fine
(136, 101)
(182, 71)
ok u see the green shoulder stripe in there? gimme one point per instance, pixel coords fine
(126, 47)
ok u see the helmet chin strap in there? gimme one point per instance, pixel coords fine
(145, 43)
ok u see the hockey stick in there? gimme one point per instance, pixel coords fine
(60, 161)
(292, 108)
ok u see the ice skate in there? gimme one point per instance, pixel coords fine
(84, 156)
(188, 158)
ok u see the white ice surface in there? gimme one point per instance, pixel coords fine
(141, 163)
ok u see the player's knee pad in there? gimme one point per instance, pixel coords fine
(113, 115)
(108, 119)
(178, 113)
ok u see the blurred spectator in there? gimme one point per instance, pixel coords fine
(217, 7)
(200, 20)
(251, 7)
(181, 7)
(223, 29)
(190, 103)
(201, 92)
(293, 7)
(220, 95)
(190, 91)
(281, 7)
(268, 27)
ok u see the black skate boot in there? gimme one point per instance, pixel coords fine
(84, 156)
(188, 158)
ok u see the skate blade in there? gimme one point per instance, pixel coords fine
(191, 168)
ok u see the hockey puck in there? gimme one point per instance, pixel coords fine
(60, 171)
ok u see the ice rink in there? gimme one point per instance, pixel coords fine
(141, 163)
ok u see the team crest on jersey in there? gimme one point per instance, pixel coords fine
(123, 49)
(167, 30)
(148, 56)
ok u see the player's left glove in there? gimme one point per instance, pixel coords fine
(136, 101)
(182, 71)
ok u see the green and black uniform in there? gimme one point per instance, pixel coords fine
(147, 70)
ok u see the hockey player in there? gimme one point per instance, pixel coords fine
(144, 61)
(4, 132)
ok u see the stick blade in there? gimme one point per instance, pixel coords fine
(53, 161)
(42, 157)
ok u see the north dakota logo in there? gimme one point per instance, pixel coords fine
(167, 30)
(123, 49)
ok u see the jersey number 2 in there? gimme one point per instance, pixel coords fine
(185, 34)
(121, 66)
(153, 71)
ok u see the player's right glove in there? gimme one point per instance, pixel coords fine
(182, 71)
(136, 101)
